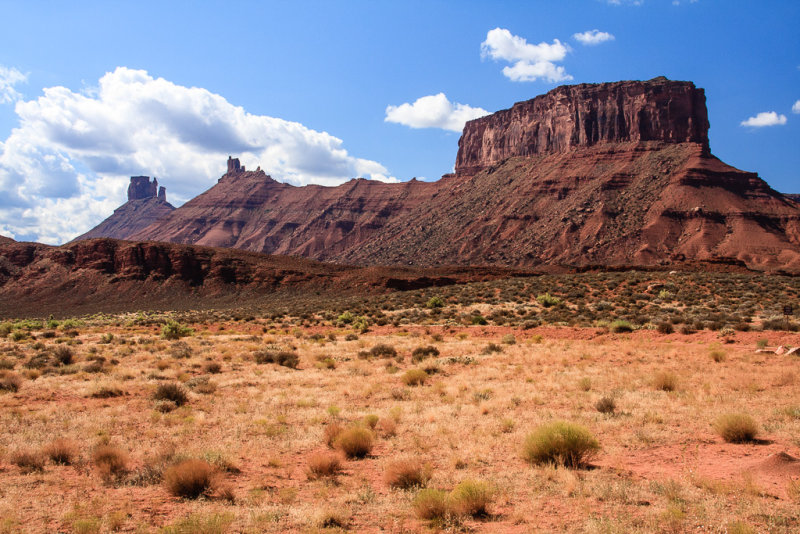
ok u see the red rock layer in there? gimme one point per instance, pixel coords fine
(575, 116)
(131, 217)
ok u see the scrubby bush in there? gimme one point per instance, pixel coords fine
(284, 358)
(619, 326)
(547, 300)
(736, 427)
(171, 392)
(478, 320)
(405, 474)
(110, 461)
(381, 350)
(189, 478)
(64, 355)
(421, 353)
(355, 442)
(61, 451)
(174, 330)
(665, 327)
(324, 464)
(431, 504)
(414, 377)
(606, 405)
(665, 381)
(471, 498)
(435, 302)
(560, 443)
(28, 460)
(10, 381)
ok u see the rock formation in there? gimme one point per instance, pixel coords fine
(571, 117)
(615, 174)
(147, 203)
(107, 275)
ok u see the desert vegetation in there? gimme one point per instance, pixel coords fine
(546, 418)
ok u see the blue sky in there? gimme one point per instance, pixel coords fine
(93, 92)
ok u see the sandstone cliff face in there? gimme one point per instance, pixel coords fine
(107, 275)
(578, 116)
(609, 174)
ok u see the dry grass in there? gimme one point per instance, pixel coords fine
(264, 428)
(189, 479)
(736, 427)
(560, 443)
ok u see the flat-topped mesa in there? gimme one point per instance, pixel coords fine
(573, 116)
(142, 188)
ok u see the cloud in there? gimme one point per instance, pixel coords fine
(593, 37)
(529, 62)
(9, 77)
(766, 118)
(433, 111)
(626, 2)
(66, 166)
(796, 107)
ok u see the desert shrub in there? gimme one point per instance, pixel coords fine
(387, 427)
(508, 339)
(665, 327)
(6, 364)
(492, 348)
(28, 460)
(560, 443)
(189, 478)
(547, 300)
(94, 367)
(355, 442)
(471, 498)
(331, 518)
(106, 392)
(332, 432)
(619, 326)
(606, 405)
(215, 523)
(414, 377)
(478, 320)
(351, 337)
(61, 451)
(421, 353)
(585, 383)
(435, 302)
(665, 381)
(284, 358)
(110, 461)
(717, 355)
(10, 381)
(174, 330)
(736, 427)
(324, 464)
(405, 474)
(165, 406)
(431, 504)
(63, 354)
(171, 392)
(381, 350)
(212, 367)
(371, 420)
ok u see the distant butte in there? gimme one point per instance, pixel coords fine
(611, 174)
(147, 203)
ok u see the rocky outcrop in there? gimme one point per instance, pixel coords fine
(147, 203)
(579, 116)
(106, 275)
(615, 174)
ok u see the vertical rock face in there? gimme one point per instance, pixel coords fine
(141, 187)
(234, 166)
(586, 115)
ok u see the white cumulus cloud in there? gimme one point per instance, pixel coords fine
(433, 111)
(529, 62)
(593, 37)
(765, 118)
(796, 107)
(9, 77)
(66, 166)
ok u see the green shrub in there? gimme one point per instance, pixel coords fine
(619, 326)
(174, 330)
(560, 443)
(478, 320)
(736, 428)
(431, 504)
(547, 300)
(435, 302)
(355, 442)
(471, 498)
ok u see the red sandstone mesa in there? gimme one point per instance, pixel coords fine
(593, 174)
